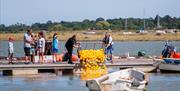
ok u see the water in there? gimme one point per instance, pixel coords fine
(164, 82)
(51, 82)
(152, 48)
(42, 82)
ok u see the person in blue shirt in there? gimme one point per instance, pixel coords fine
(55, 47)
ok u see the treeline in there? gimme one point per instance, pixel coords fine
(166, 22)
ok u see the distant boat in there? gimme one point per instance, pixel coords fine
(123, 80)
(170, 65)
(90, 32)
(142, 32)
(160, 32)
(128, 33)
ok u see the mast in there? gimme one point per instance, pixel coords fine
(125, 25)
(144, 19)
(158, 24)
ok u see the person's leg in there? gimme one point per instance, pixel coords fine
(39, 57)
(29, 55)
(43, 61)
(107, 53)
(53, 60)
(111, 53)
(10, 58)
(26, 54)
(70, 56)
(55, 57)
(9, 54)
(33, 56)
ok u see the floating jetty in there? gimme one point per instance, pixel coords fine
(19, 67)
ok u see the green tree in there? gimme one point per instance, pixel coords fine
(102, 25)
(100, 19)
(57, 27)
(2, 28)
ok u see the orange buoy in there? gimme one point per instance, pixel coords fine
(61, 56)
(74, 57)
(175, 55)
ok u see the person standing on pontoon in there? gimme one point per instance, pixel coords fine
(10, 50)
(27, 45)
(41, 47)
(55, 47)
(70, 44)
(108, 44)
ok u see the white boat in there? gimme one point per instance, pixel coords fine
(123, 80)
(90, 32)
(169, 67)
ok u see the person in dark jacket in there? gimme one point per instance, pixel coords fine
(70, 44)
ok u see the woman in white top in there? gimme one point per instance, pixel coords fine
(10, 50)
(41, 47)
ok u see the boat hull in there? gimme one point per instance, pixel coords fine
(164, 67)
(123, 80)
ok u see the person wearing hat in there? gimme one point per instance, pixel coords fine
(55, 47)
(10, 50)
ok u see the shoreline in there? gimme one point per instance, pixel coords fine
(116, 35)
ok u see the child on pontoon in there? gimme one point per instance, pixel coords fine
(55, 47)
(41, 47)
(10, 50)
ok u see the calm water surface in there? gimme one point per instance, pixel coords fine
(51, 82)
(120, 48)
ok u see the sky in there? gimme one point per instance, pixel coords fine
(32, 11)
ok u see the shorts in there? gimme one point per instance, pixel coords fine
(109, 50)
(27, 51)
(32, 51)
(55, 50)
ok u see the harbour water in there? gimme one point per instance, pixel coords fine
(152, 48)
(52, 82)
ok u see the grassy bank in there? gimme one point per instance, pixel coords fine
(100, 34)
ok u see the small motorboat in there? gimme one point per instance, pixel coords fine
(123, 80)
(170, 65)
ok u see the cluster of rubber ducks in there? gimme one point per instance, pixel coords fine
(92, 62)
(92, 55)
